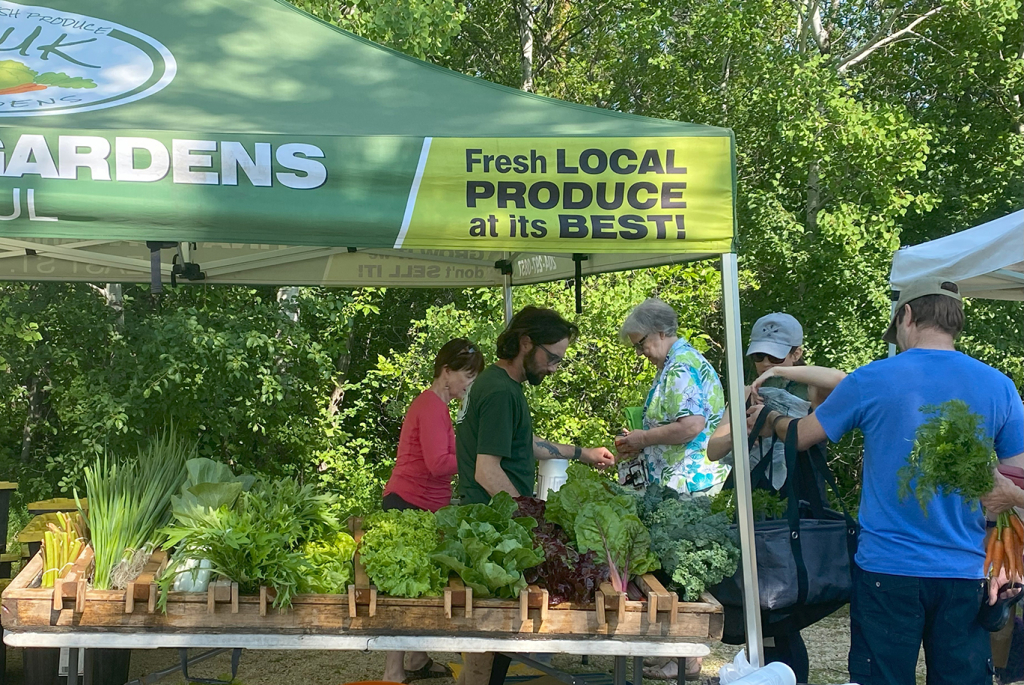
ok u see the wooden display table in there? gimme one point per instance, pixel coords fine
(52, 506)
(653, 614)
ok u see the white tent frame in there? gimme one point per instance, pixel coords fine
(986, 261)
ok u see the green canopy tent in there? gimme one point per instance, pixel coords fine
(265, 147)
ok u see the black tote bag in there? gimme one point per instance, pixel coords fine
(804, 561)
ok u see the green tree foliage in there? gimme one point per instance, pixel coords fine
(860, 126)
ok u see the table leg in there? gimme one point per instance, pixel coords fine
(638, 670)
(72, 666)
(619, 672)
(681, 666)
(499, 669)
(89, 657)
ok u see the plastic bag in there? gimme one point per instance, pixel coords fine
(740, 672)
(730, 673)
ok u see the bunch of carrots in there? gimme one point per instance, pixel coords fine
(1004, 548)
(61, 546)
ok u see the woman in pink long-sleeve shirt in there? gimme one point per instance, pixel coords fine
(422, 477)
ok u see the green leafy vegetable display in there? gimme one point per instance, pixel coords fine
(258, 541)
(952, 455)
(602, 517)
(697, 549)
(330, 565)
(619, 537)
(487, 546)
(210, 484)
(396, 552)
(129, 500)
(584, 485)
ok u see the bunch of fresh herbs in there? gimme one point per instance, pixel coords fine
(256, 542)
(765, 505)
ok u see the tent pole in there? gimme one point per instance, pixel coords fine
(738, 420)
(506, 290)
(890, 346)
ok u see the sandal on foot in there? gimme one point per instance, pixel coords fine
(427, 671)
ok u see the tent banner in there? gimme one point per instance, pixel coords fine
(583, 195)
(575, 194)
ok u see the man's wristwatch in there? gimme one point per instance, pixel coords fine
(577, 452)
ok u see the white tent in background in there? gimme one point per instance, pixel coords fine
(985, 261)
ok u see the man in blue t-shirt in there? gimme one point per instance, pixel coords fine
(919, 575)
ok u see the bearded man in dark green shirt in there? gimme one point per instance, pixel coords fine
(495, 444)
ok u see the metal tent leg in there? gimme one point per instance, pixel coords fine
(738, 417)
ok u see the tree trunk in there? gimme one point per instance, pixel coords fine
(34, 384)
(338, 394)
(526, 45)
(813, 197)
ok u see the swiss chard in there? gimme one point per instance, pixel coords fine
(568, 575)
(617, 536)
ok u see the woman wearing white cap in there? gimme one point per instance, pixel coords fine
(790, 387)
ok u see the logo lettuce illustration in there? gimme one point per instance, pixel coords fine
(15, 77)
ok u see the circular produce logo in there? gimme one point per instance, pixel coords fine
(54, 62)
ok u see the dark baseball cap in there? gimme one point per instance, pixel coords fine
(775, 335)
(912, 291)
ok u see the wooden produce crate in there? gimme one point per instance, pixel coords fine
(655, 614)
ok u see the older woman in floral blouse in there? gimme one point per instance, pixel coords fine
(683, 408)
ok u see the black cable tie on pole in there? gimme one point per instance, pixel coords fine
(578, 259)
(350, 249)
(504, 266)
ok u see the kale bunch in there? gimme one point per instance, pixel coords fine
(697, 549)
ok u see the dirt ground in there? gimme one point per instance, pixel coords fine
(827, 644)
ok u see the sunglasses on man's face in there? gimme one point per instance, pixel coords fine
(759, 357)
(553, 359)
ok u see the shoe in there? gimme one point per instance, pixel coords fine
(427, 671)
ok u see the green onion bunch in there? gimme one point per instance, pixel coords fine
(129, 501)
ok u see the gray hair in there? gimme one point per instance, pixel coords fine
(650, 316)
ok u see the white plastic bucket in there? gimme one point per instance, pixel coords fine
(551, 476)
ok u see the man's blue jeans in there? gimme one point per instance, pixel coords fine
(892, 616)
